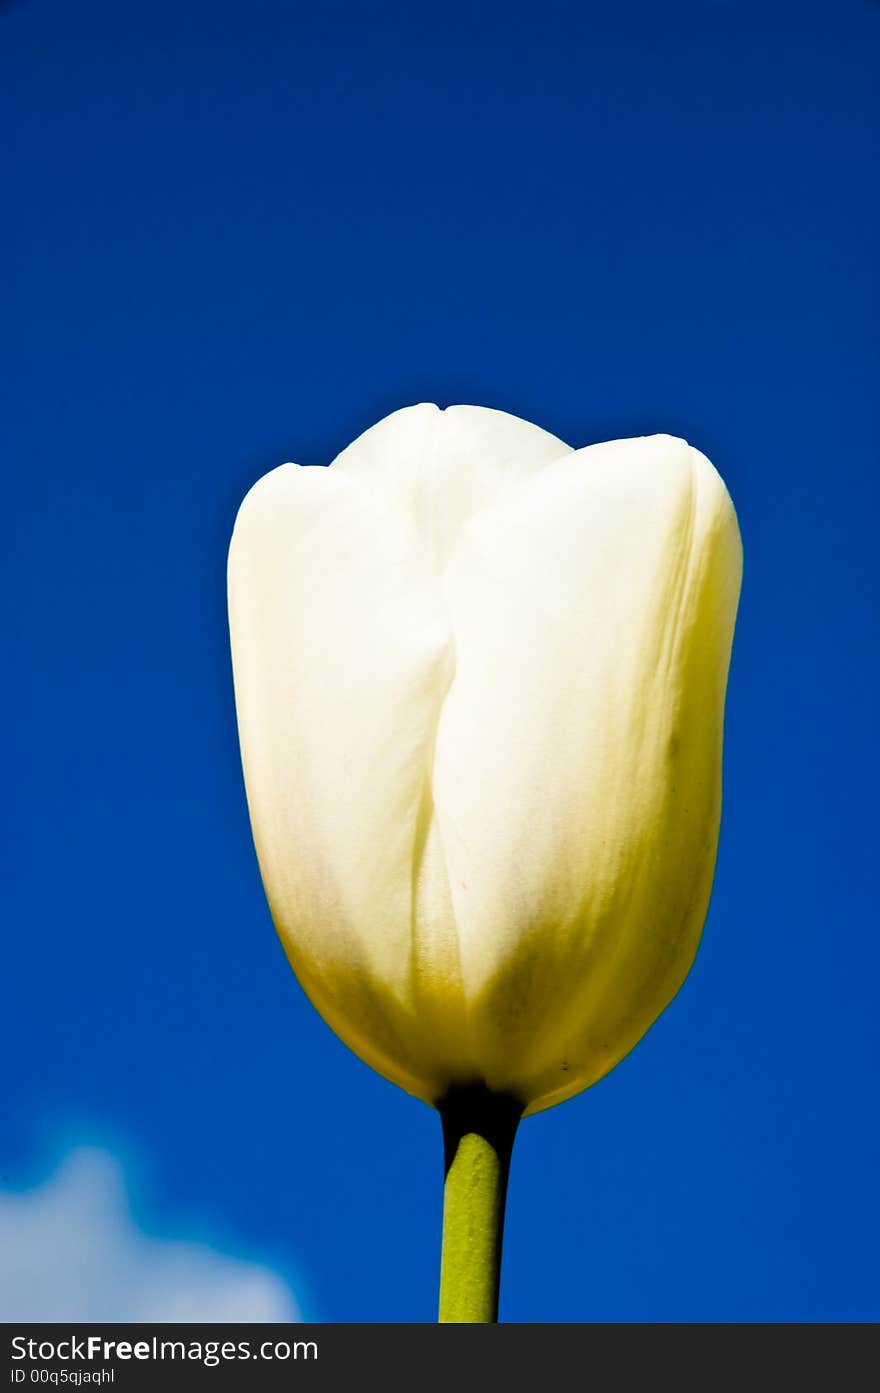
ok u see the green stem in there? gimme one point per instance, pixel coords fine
(478, 1131)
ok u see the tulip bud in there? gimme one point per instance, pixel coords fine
(480, 684)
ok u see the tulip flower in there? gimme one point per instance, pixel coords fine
(480, 682)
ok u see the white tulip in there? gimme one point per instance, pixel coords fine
(480, 682)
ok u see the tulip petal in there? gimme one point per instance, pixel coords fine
(342, 657)
(578, 759)
(441, 467)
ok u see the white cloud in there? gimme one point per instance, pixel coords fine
(70, 1251)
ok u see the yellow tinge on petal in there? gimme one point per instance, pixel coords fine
(480, 685)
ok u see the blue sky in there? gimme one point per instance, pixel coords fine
(240, 234)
